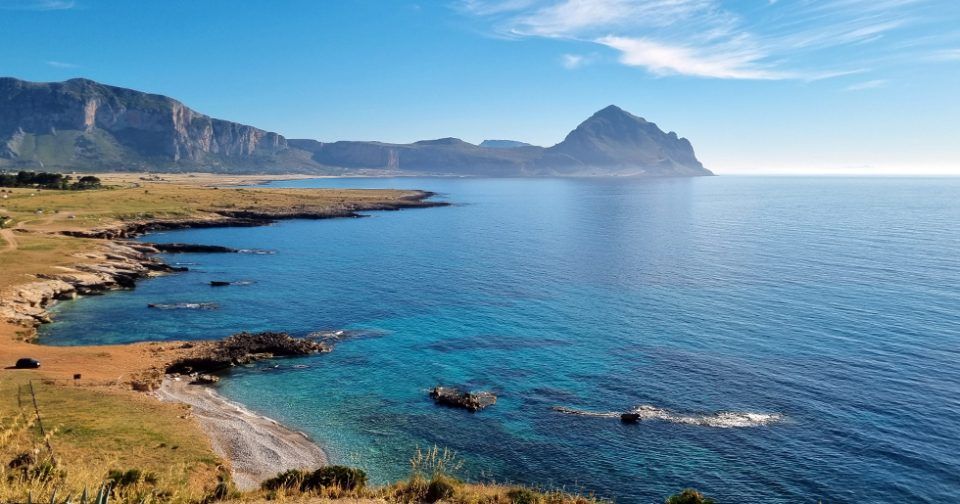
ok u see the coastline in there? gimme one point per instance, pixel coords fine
(257, 447)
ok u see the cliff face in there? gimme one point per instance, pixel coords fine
(82, 125)
(78, 123)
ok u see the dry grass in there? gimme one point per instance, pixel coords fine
(91, 432)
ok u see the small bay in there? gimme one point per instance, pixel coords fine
(793, 339)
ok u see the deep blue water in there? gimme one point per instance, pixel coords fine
(834, 302)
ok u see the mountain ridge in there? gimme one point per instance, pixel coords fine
(83, 125)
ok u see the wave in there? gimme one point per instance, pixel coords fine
(184, 306)
(256, 251)
(720, 419)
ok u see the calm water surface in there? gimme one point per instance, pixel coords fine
(831, 304)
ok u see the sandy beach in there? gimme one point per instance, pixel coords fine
(256, 446)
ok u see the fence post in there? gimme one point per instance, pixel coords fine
(36, 409)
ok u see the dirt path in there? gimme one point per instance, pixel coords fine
(9, 240)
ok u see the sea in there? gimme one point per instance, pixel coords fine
(784, 339)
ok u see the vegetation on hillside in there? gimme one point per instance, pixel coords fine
(44, 180)
(75, 439)
(81, 446)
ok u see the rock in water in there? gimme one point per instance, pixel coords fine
(243, 348)
(630, 417)
(472, 401)
(206, 379)
(218, 283)
(183, 248)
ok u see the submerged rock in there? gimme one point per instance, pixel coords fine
(219, 283)
(472, 401)
(630, 417)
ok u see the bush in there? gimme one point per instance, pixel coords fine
(689, 496)
(130, 477)
(524, 496)
(440, 488)
(341, 477)
(289, 480)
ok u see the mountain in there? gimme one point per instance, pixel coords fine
(615, 141)
(82, 125)
(445, 156)
(503, 144)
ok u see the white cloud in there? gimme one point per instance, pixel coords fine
(62, 64)
(719, 38)
(871, 84)
(572, 61)
(661, 59)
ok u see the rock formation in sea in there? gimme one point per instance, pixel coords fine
(471, 401)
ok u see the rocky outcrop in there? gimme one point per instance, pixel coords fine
(114, 266)
(243, 348)
(454, 397)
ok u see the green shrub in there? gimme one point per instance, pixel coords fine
(130, 477)
(524, 496)
(342, 477)
(289, 480)
(440, 488)
(689, 496)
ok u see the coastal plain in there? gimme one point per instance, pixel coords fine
(60, 244)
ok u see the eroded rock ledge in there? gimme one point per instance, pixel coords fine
(114, 266)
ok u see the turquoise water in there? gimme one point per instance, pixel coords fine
(826, 308)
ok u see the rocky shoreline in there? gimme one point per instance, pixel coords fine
(116, 265)
(256, 446)
(251, 218)
(120, 263)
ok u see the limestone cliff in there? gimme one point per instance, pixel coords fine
(80, 123)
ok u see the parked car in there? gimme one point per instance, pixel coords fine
(27, 363)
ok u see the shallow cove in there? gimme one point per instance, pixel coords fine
(829, 301)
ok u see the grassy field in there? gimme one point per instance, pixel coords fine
(92, 432)
(31, 244)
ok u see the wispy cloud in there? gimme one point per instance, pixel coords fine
(716, 38)
(870, 84)
(37, 5)
(62, 64)
(572, 61)
(946, 55)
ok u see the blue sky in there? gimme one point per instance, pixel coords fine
(758, 86)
